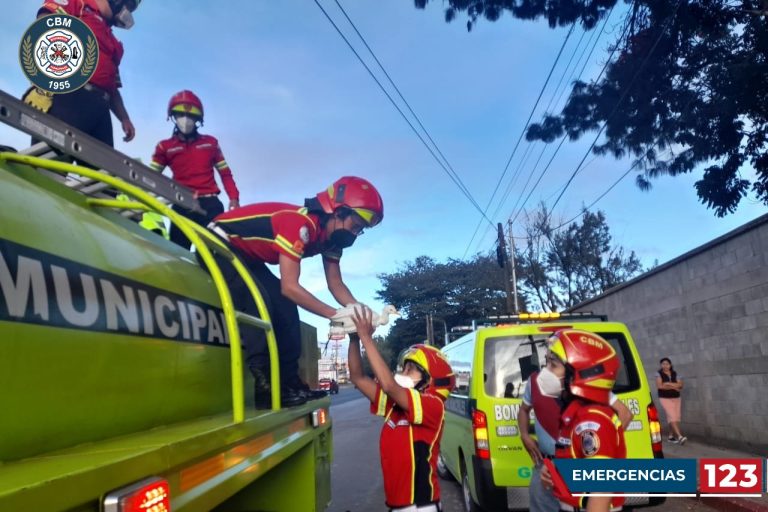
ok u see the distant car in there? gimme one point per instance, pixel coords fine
(329, 385)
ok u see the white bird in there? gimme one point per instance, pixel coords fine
(342, 323)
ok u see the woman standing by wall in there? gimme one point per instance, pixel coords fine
(669, 384)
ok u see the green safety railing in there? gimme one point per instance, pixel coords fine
(204, 241)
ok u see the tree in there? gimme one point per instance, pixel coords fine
(685, 88)
(559, 269)
(456, 292)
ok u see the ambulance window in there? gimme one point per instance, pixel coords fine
(509, 362)
(628, 378)
(460, 355)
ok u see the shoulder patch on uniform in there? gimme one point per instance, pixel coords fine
(304, 234)
(590, 443)
(62, 2)
(587, 425)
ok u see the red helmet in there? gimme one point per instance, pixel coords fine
(433, 363)
(354, 193)
(591, 363)
(186, 102)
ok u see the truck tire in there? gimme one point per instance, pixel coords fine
(442, 470)
(469, 502)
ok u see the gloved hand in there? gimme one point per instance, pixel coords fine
(342, 324)
(38, 98)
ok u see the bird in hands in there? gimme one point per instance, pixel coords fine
(342, 324)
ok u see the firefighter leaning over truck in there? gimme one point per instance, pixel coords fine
(192, 157)
(283, 234)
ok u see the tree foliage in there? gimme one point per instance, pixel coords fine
(555, 270)
(559, 269)
(455, 292)
(686, 89)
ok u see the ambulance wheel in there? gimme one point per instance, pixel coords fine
(442, 470)
(469, 502)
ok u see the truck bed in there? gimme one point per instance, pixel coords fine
(205, 461)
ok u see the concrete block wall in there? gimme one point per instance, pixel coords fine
(707, 310)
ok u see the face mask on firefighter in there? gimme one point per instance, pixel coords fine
(185, 124)
(342, 238)
(549, 383)
(404, 381)
(122, 13)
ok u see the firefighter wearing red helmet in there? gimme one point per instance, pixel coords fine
(88, 108)
(581, 370)
(412, 404)
(283, 234)
(192, 158)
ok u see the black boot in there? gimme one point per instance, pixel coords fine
(295, 383)
(263, 393)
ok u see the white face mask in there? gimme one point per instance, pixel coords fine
(404, 381)
(124, 18)
(549, 384)
(185, 124)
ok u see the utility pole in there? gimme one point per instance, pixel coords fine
(514, 270)
(430, 336)
(504, 261)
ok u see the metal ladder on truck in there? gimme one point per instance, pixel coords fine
(148, 190)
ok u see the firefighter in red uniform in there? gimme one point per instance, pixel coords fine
(282, 234)
(412, 404)
(192, 158)
(88, 108)
(581, 368)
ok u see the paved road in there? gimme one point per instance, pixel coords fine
(356, 484)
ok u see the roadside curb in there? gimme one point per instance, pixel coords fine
(731, 504)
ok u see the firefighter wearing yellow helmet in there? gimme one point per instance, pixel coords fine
(412, 405)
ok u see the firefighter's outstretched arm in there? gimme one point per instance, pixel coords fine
(363, 323)
(290, 270)
(355, 362)
(336, 284)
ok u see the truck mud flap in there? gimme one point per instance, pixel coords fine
(490, 497)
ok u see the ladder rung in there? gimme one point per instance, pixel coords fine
(252, 320)
(94, 188)
(39, 149)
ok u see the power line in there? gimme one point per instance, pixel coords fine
(565, 135)
(522, 134)
(397, 89)
(515, 175)
(451, 174)
(618, 103)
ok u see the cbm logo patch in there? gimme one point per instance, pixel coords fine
(58, 53)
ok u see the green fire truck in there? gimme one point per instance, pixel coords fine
(121, 379)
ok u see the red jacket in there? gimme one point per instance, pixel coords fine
(106, 74)
(409, 445)
(264, 231)
(192, 162)
(589, 430)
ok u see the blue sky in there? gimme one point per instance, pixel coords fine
(293, 110)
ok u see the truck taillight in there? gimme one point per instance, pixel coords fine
(655, 427)
(319, 417)
(150, 495)
(480, 430)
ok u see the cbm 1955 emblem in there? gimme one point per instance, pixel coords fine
(58, 53)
